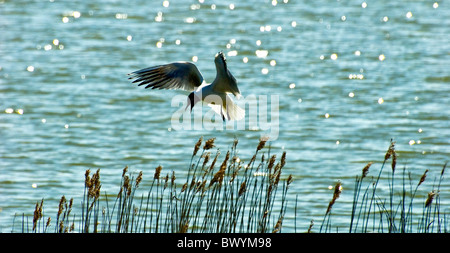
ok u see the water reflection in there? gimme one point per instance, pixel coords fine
(335, 78)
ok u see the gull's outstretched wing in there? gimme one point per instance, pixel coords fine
(177, 75)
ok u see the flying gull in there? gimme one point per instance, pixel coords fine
(186, 76)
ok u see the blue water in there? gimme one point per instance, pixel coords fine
(350, 76)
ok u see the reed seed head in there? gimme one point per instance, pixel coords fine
(242, 189)
(235, 143)
(214, 161)
(209, 144)
(37, 213)
(310, 227)
(172, 180)
(443, 169)
(390, 150)
(197, 146)
(94, 185)
(157, 172)
(283, 159)
(61, 226)
(430, 198)
(277, 177)
(48, 222)
(365, 170)
(394, 160)
(184, 187)
(290, 179)
(207, 155)
(87, 179)
(271, 161)
(124, 171)
(62, 202)
(336, 194)
(262, 143)
(166, 181)
(218, 177)
(422, 179)
(139, 179)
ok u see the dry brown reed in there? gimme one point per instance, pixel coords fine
(239, 196)
(336, 194)
(37, 214)
(372, 213)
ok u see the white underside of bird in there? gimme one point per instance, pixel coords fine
(186, 76)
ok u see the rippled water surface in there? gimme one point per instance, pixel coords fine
(350, 76)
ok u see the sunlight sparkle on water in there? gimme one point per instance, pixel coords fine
(331, 187)
(159, 17)
(76, 14)
(409, 14)
(121, 16)
(190, 20)
(356, 76)
(11, 110)
(261, 53)
(232, 53)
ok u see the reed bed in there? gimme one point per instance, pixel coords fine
(230, 195)
(396, 213)
(218, 196)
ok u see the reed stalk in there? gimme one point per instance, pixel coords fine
(223, 193)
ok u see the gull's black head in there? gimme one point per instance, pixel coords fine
(191, 101)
